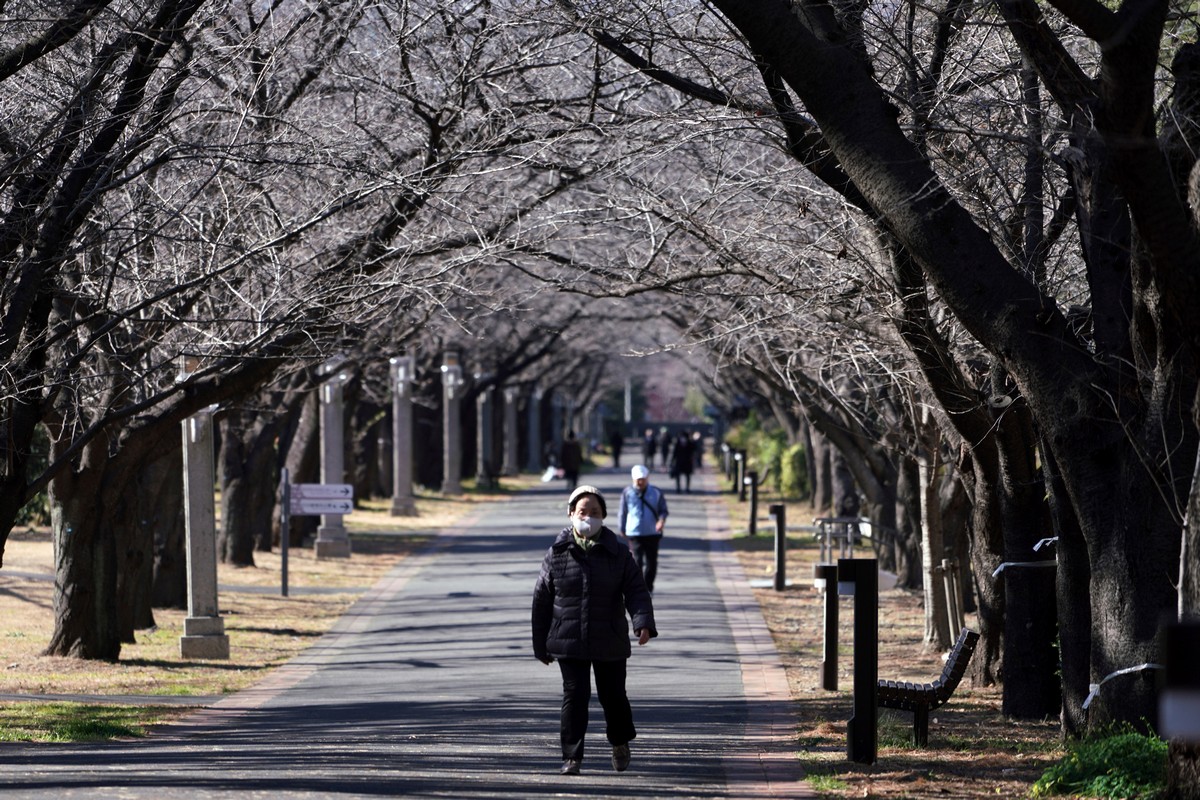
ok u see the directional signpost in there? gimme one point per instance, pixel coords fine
(308, 499)
(321, 498)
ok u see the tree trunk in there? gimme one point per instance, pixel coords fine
(956, 525)
(169, 588)
(1183, 771)
(1032, 685)
(155, 501)
(235, 537)
(903, 543)
(1074, 616)
(303, 461)
(937, 621)
(384, 477)
(248, 485)
(85, 568)
(987, 553)
(822, 473)
(846, 501)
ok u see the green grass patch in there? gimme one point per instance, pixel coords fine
(826, 783)
(77, 722)
(895, 729)
(1122, 764)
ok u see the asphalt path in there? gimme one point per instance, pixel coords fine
(428, 688)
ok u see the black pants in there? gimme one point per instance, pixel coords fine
(645, 551)
(577, 694)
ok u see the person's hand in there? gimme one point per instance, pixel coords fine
(658, 526)
(643, 635)
(546, 659)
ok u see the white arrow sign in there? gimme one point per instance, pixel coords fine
(323, 491)
(301, 506)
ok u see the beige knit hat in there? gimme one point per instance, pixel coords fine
(580, 491)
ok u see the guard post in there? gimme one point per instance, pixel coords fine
(859, 577)
(739, 463)
(825, 579)
(780, 517)
(1179, 698)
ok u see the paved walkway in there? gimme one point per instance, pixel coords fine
(428, 688)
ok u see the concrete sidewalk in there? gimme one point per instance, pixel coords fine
(428, 688)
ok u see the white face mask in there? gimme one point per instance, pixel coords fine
(587, 527)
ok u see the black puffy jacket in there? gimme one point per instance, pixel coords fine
(580, 600)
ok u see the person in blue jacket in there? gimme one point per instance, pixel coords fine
(642, 515)
(587, 583)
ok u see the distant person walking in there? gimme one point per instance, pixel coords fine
(641, 517)
(587, 583)
(616, 441)
(571, 460)
(664, 447)
(649, 448)
(682, 461)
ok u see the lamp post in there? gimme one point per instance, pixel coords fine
(403, 375)
(452, 381)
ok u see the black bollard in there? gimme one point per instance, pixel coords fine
(860, 577)
(825, 578)
(1179, 699)
(740, 457)
(752, 487)
(780, 516)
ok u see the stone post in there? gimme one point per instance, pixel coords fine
(403, 373)
(203, 629)
(533, 412)
(485, 457)
(332, 539)
(452, 381)
(511, 395)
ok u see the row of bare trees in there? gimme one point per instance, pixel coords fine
(960, 235)
(252, 187)
(953, 242)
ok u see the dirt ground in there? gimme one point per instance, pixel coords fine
(973, 751)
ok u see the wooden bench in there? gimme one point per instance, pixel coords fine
(921, 698)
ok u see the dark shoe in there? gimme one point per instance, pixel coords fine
(571, 765)
(620, 759)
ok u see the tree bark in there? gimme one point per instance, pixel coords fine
(85, 568)
(303, 461)
(903, 543)
(937, 621)
(248, 485)
(822, 472)
(169, 588)
(987, 553)
(154, 503)
(1032, 688)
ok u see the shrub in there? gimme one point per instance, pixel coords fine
(793, 473)
(1123, 764)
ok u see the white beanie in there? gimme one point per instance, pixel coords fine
(639, 472)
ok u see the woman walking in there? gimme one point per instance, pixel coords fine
(588, 581)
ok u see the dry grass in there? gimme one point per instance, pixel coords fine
(973, 751)
(264, 629)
